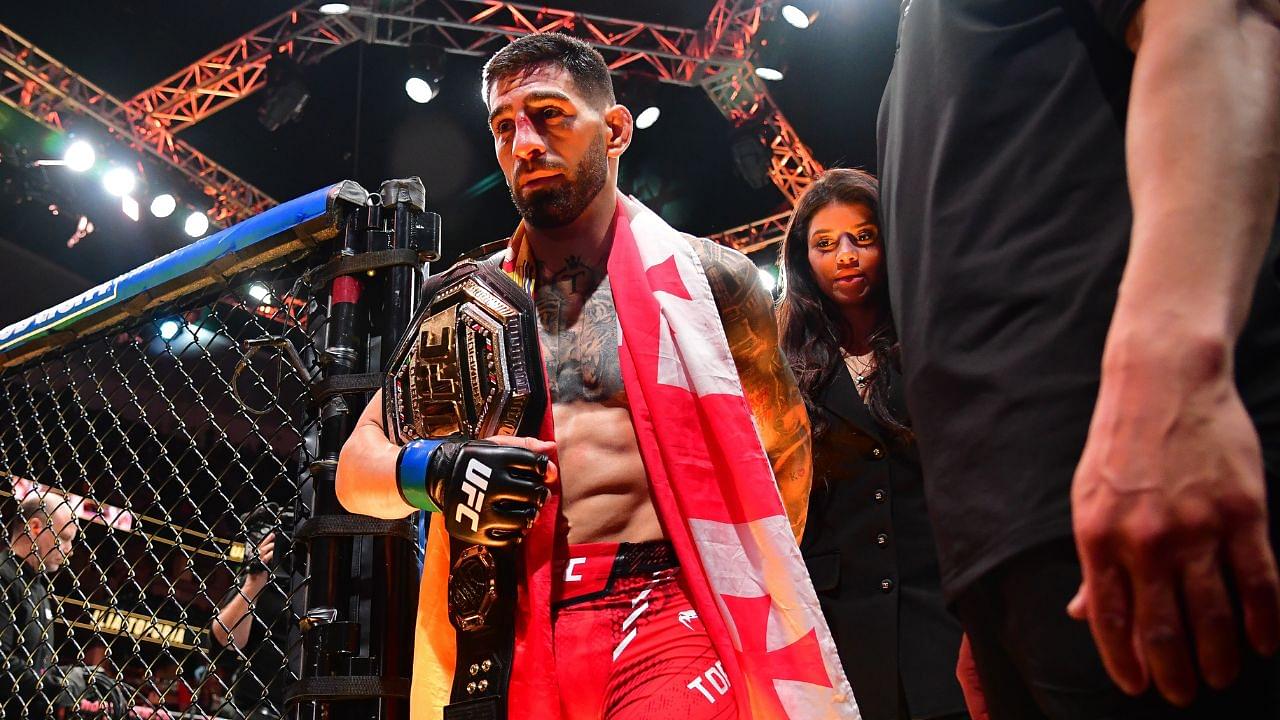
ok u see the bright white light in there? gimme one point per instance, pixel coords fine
(767, 279)
(197, 224)
(795, 16)
(419, 90)
(163, 205)
(768, 73)
(79, 156)
(647, 117)
(169, 329)
(119, 181)
(335, 9)
(260, 292)
(130, 207)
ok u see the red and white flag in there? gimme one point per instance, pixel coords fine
(712, 482)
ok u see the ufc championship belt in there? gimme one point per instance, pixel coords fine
(470, 368)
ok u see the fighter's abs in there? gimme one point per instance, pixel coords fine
(578, 327)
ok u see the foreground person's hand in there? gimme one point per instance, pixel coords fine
(1169, 506)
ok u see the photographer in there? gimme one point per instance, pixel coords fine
(253, 624)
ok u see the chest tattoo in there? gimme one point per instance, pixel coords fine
(578, 327)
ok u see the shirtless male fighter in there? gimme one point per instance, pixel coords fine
(558, 135)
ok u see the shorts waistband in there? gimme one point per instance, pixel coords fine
(590, 569)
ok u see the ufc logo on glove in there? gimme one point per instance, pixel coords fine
(474, 487)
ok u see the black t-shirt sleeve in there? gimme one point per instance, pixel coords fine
(1115, 15)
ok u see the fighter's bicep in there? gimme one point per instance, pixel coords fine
(744, 305)
(746, 312)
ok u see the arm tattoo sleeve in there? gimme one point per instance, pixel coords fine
(747, 312)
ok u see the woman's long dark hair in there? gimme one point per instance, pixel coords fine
(812, 329)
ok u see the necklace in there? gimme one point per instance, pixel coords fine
(860, 366)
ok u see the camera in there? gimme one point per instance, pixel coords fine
(261, 522)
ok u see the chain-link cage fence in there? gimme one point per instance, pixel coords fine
(152, 477)
(178, 444)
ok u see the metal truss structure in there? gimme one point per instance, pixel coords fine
(238, 68)
(744, 100)
(755, 235)
(468, 27)
(40, 87)
(716, 58)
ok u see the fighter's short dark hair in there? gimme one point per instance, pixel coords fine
(583, 63)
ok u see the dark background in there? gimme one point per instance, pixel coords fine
(681, 166)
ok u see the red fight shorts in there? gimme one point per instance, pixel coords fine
(628, 643)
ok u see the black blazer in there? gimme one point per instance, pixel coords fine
(870, 552)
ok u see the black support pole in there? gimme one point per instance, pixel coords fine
(362, 592)
(394, 565)
(341, 338)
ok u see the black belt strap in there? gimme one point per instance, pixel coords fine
(482, 666)
(483, 709)
(353, 526)
(348, 384)
(644, 558)
(347, 688)
(363, 262)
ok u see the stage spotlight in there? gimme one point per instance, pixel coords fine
(768, 280)
(130, 208)
(119, 181)
(419, 90)
(84, 227)
(796, 17)
(769, 59)
(169, 329)
(335, 9)
(260, 292)
(426, 70)
(163, 205)
(286, 93)
(79, 156)
(639, 92)
(197, 224)
(647, 117)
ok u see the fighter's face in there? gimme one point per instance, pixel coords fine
(551, 143)
(845, 253)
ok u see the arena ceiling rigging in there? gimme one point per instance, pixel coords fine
(183, 94)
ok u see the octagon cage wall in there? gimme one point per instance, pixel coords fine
(188, 429)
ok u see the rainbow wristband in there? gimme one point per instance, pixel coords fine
(411, 473)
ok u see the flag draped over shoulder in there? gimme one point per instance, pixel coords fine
(714, 491)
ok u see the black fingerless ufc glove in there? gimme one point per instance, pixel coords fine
(489, 494)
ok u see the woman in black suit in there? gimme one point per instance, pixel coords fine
(868, 544)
